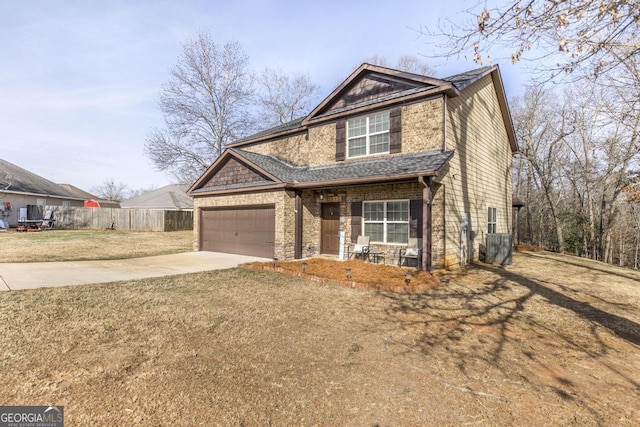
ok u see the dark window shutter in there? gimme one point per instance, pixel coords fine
(356, 221)
(395, 130)
(415, 218)
(341, 140)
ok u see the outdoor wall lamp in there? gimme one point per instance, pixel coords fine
(348, 271)
(304, 267)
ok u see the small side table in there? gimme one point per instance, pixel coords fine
(376, 256)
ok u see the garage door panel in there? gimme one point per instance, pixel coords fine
(244, 231)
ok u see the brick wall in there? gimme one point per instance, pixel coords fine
(292, 149)
(422, 131)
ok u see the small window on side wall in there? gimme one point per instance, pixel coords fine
(492, 214)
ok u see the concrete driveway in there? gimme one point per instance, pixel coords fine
(16, 276)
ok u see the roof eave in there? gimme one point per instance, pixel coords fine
(504, 108)
(57, 196)
(301, 129)
(256, 189)
(211, 170)
(358, 181)
(447, 88)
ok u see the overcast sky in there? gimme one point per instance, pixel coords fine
(79, 80)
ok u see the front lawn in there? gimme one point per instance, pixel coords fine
(81, 245)
(551, 340)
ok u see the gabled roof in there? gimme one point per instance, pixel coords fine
(279, 174)
(372, 86)
(16, 180)
(169, 197)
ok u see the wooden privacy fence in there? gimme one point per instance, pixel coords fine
(121, 219)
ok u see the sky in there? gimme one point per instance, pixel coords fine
(80, 80)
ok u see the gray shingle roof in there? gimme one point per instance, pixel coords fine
(168, 197)
(460, 81)
(293, 124)
(15, 179)
(463, 80)
(378, 169)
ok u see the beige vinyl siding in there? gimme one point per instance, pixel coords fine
(480, 171)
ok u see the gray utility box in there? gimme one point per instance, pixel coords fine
(499, 249)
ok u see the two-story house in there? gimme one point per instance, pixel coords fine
(388, 154)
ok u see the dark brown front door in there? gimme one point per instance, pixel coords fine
(330, 217)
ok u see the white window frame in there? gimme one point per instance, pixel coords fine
(492, 220)
(369, 134)
(66, 203)
(385, 221)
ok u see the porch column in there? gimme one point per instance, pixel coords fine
(297, 251)
(426, 223)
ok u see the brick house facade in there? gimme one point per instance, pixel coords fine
(388, 154)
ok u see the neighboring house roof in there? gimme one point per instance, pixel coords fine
(169, 197)
(104, 203)
(405, 87)
(16, 180)
(276, 172)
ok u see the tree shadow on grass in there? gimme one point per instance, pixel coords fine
(622, 327)
(472, 323)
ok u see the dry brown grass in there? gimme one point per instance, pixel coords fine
(81, 245)
(550, 340)
(527, 248)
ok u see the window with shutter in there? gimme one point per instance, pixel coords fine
(386, 221)
(341, 140)
(368, 135)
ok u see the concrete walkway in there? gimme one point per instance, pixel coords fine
(15, 276)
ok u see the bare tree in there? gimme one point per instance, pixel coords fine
(593, 36)
(206, 104)
(284, 98)
(581, 150)
(111, 190)
(541, 127)
(408, 63)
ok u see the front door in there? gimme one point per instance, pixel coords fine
(330, 225)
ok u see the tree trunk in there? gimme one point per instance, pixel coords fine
(635, 259)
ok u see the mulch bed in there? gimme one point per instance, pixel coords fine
(364, 275)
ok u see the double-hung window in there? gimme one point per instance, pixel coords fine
(491, 220)
(387, 221)
(368, 135)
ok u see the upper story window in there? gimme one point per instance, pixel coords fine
(368, 135)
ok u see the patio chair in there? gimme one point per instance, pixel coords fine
(48, 221)
(360, 249)
(413, 252)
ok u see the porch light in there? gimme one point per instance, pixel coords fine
(348, 271)
(407, 278)
(304, 267)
